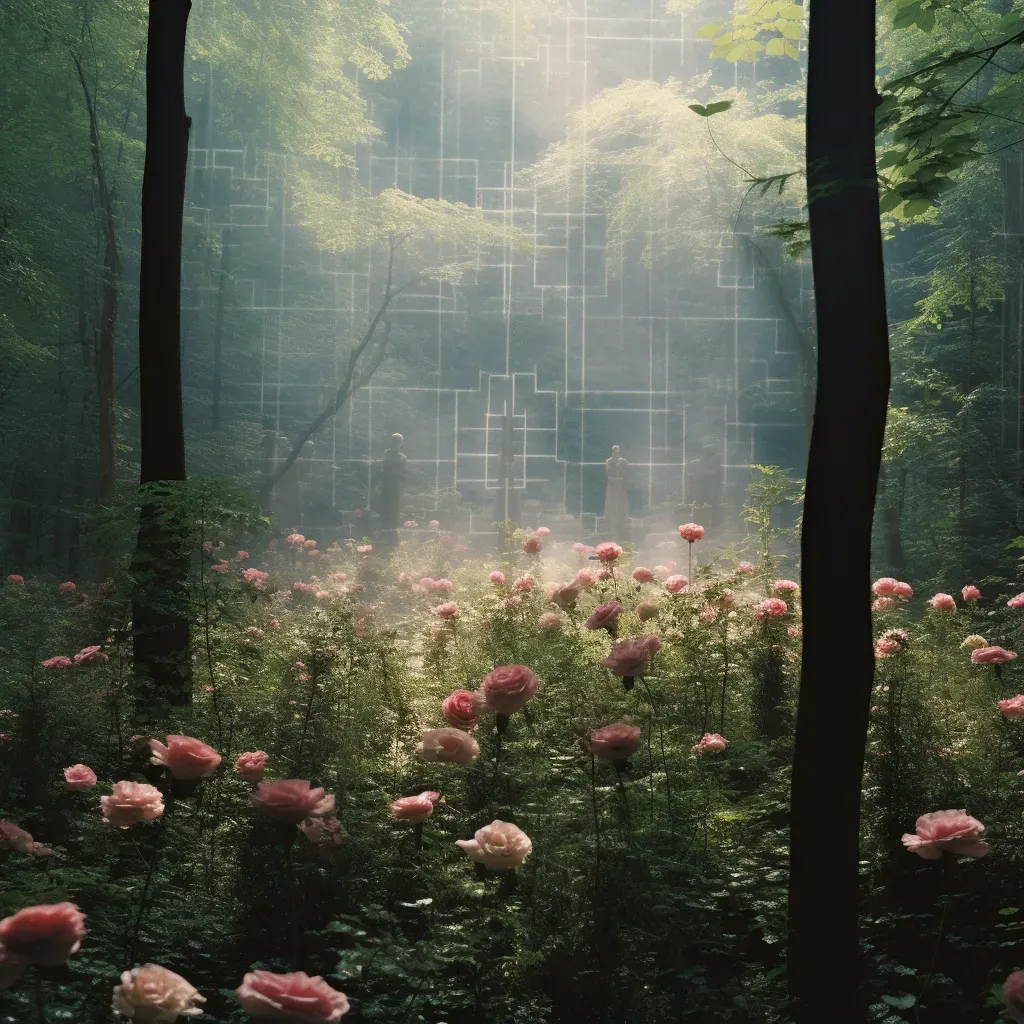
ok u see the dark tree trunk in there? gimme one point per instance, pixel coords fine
(160, 616)
(218, 327)
(842, 478)
(893, 493)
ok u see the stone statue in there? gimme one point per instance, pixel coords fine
(616, 499)
(392, 484)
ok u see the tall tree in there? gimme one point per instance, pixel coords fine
(160, 621)
(842, 479)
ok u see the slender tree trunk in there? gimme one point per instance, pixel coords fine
(218, 327)
(160, 612)
(842, 476)
(893, 492)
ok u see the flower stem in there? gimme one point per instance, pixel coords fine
(935, 957)
(40, 994)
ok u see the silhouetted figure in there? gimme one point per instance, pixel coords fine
(284, 500)
(392, 484)
(616, 498)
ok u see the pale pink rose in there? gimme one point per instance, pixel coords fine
(585, 579)
(46, 934)
(497, 578)
(453, 745)
(88, 655)
(275, 623)
(992, 656)
(973, 642)
(130, 803)
(904, 591)
(627, 658)
(676, 584)
(618, 742)
(746, 567)
(1013, 996)
(583, 550)
(251, 765)
(691, 532)
(410, 524)
(710, 743)
(642, 575)
(608, 551)
(255, 577)
(322, 831)
(1016, 602)
(426, 583)
(364, 549)
(404, 579)
(242, 556)
(185, 757)
(506, 689)
(885, 587)
(291, 800)
(651, 642)
(154, 995)
(459, 708)
(16, 579)
(1013, 707)
(78, 778)
(412, 808)
(565, 595)
(14, 838)
(295, 538)
(67, 588)
(515, 601)
(533, 545)
(883, 648)
(604, 616)
(784, 588)
(942, 603)
(443, 585)
(221, 567)
(662, 572)
(59, 662)
(882, 604)
(434, 524)
(542, 531)
(549, 621)
(291, 997)
(449, 610)
(946, 832)
(708, 613)
(524, 584)
(770, 607)
(970, 593)
(646, 610)
(500, 846)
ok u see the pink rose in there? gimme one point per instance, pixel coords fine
(583, 550)
(991, 656)
(642, 575)
(412, 808)
(691, 532)
(770, 607)
(942, 603)
(627, 658)
(882, 604)
(605, 616)
(970, 593)
(1013, 996)
(221, 567)
(185, 757)
(434, 524)
(506, 689)
(57, 663)
(79, 777)
(500, 846)
(453, 745)
(585, 579)
(524, 584)
(364, 549)
(608, 551)
(533, 545)
(67, 588)
(449, 610)
(618, 742)
(46, 934)
(946, 832)
(646, 610)
(710, 743)
(17, 839)
(291, 997)
(410, 524)
(746, 567)
(443, 585)
(542, 531)
(565, 595)
(904, 591)
(459, 708)
(130, 803)
(322, 831)
(1016, 602)
(251, 765)
(88, 655)
(885, 587)
(784, 587)
(1013, 707)
(675, 584)
(255, 577)
(291, 800)
(16, 579)
(549, 621)
(151, 994)
(708, 613)
(497, 578)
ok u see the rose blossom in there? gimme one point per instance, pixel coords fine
(904, 591)
(434, 524)
(605, 616)
(885, 587)
(608, 551)
(16, 579)
(1013, 996)
(67, 588)
(153, 995)
(291, 800)
(251, 765)
(46, 934)
(642, 575)
(59, 662)
(973, 642)
(321, 831)
(991, 656)
(565, 595)
(549, 621)
(453, 745)
(1016, 602)
(646, 610)
(87, 655)
(533, 545)
(745, 567)
(185, 757)
(78, 778)
(460, 710)
(506, 689)
(524, 584)
(882, 604)
(542, 531)
(412, 808)
(946, 831)
(130, 803)
(784, 587)
(970, 593)
(618, 742)
(691, 532)
(627, 658)
(410, 524)
(291, 997)
(770, 606)
(1013, 707)
(14, 838)
(708, 613)
(942, 603)
(710, 743)
(583, 550)
(497, 578)
(675, 584)
(449, 610)
(585, 579)
(500, 846)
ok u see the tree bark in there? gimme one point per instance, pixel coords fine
(842, 477)
(160, 612)
(218, 327)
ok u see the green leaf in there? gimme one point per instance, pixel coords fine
(711, 109)
(903, 1002)
(708, 30)
(746, 50)
(790, 29)
(794, 12)
(889, 202)
(915, 207)
(1007, 911)
(775, 47)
